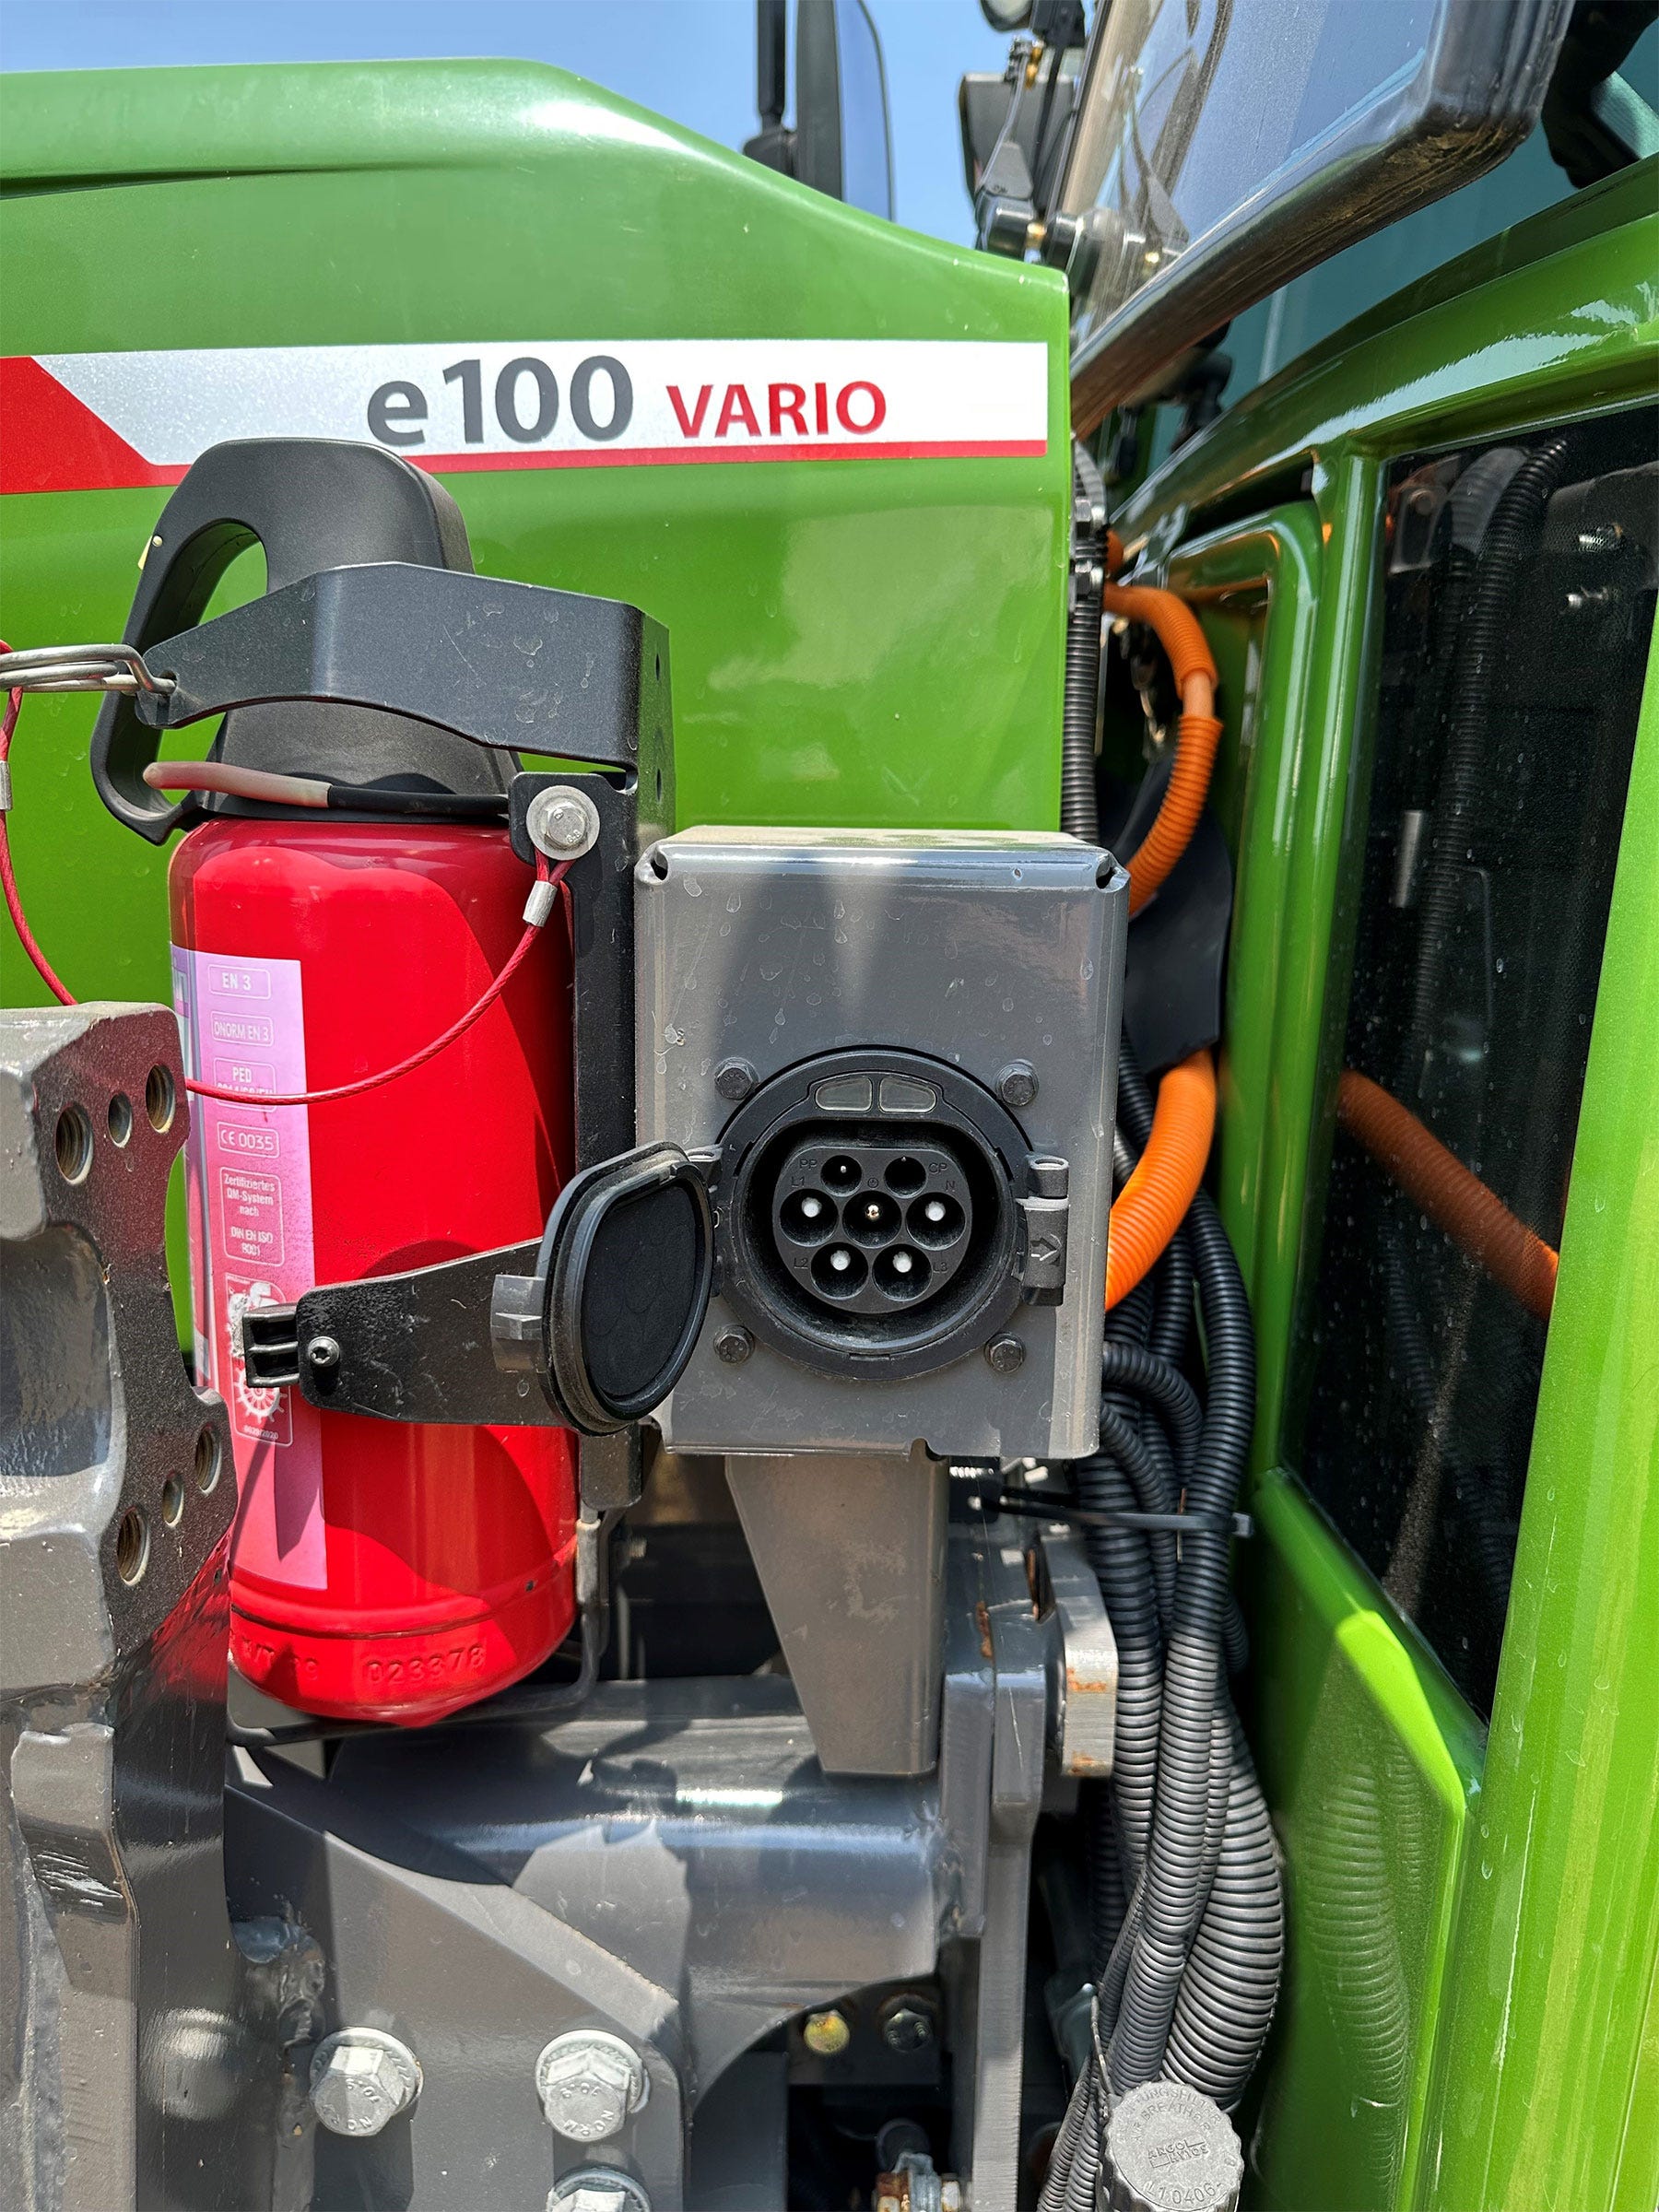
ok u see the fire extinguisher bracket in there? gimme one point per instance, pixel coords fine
(588, 1329)
(498, 662)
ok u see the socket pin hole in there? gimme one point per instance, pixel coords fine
(902, 1273)
(121, 1117)
(870, 1217)
(73, 1144)
(936, 1220)
(843, 1174)
(904, 1175)
(839, 1271)
(807, 1216)
(173, 1502)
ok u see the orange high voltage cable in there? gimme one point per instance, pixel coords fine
(1198, 733)
(1152, 1204)
(1453, 1198)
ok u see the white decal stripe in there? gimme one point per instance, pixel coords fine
(590, 396)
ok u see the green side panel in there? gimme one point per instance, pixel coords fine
(1548, 2088)
(1367, 1754)
(1470, 2021)
(870, 641)
(867, 642)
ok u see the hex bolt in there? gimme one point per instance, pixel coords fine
(1005, 1355)
(360, 2080)
(597, 2189)
(562, 823)
(733, 1347)
(907, 2025)
(1017, 1085)
(322, 1355)
(734, 1079)
(826, 2034)
(590, 2084)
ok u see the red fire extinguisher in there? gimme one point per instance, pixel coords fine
(378, 1569)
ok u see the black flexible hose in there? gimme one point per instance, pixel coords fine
(1154, 1491)
(1230, 1986)
(1175, 1893)
(1188, 1968)
(1079, 808)
(1172, 1397)
(1172, 1320)
(1119, 1558)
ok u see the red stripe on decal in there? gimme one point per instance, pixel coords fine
(661, 456)
(50, 441)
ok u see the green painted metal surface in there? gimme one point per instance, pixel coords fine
(863, 642)
(1471, 2018)
(1471, 2015)
(1367, 1753)
(867, 642)
(1546, 2078)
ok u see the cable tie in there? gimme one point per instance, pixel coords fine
(1115, 1516)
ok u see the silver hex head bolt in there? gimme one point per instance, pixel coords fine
(733, 1347)
(590, 2084)
(361, 2079)
(907, 2026)
(1005, 1355)
(1017, 1085)
(734, 1079)
(562, 822)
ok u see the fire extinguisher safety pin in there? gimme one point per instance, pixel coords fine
(79, 668)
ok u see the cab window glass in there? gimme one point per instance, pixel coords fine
(1518, 605)
(1592, 129)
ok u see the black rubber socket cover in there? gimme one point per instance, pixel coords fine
(628, 1263)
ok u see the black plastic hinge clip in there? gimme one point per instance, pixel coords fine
(1046, 1215)
(270, 1347)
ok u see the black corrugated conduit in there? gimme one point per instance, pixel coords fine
(1194, 1677)
(1079, 809)
(1188, 1966)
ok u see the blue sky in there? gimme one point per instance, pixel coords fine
(691, 60)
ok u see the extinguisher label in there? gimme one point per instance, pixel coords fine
(99, 420)
(249, 1181)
